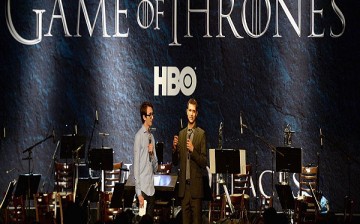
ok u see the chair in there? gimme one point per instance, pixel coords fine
(112, 176)
(266, 201)
(64, 200)
(64, 176)
(45, 207)
(306, 209)
(240, 195)
(17, 213)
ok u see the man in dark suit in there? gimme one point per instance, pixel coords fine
(189, 148)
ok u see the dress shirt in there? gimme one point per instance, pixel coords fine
(144, 167)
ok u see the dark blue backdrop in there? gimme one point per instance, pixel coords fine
(309, 83)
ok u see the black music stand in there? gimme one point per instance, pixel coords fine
(118, 196)
(101, 159)
(70, 144)
(26, 183)
(286, 197)
(291, 161)
(92, 195)
(8, 195)
(227, 161)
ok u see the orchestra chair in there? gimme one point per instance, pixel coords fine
(15, 211)
(265, 203)
(215, 206)
(63, 201)
(240, 196)
(111, 177)
(45, 208)
(306, 207)
(7, 200)
(64, 177)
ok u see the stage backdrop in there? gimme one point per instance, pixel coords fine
(63, 63)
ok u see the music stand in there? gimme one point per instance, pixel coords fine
(286, 197)
(26, 183)
(291, 161)
(101, 159)
(92, 195)
(118, 196)
(227, 161)
(8, 194)
(69, 143)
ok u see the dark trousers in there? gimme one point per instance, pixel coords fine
(191, 208)
(150, 204)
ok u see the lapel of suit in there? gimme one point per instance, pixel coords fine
(196, 136)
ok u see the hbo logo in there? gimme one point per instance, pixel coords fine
(171, 81)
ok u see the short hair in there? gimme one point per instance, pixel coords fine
(143, 109)
(193, 102)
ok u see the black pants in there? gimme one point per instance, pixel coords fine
(150, 204)
(191, 208)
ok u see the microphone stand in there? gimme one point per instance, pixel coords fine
(29, 158)
(273, 150)
(91, 137)
(51, 164)
(348, 201)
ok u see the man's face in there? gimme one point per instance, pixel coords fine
(191, 113)
(149, 117)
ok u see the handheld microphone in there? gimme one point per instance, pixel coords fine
(150, 154)
(181, 124)
(9, 171)
(321, 139)
(76, 130)
(78, 149)
(221, 135)
(53, 135)
(96, 117)
(241, 124)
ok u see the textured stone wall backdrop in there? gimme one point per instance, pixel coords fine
(309, 83)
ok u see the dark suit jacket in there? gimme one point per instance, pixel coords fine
(198, 162)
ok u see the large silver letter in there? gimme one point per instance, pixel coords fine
(61, 16)
(312, 12)
(117, 12)
(86, 16)
(15, 34)
(227, 16)
(289, 16)
(341, 17)
(157, 13)
(245, 25)
(206, 11)
(174, 25)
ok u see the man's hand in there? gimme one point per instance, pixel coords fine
(151, 149)
(175, 142)
(141, 201)
(189, 145)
